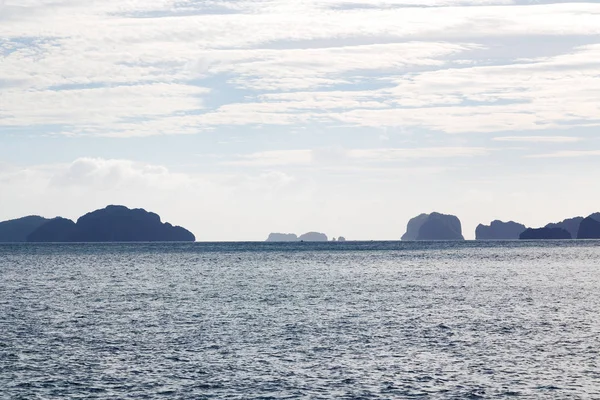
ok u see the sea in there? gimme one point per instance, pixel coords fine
(347, 320)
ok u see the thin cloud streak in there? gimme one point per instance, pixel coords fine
(538, 139)
(568, 154)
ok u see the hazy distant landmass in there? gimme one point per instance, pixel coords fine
(291, 237)
(499, 230)
(545, 233)
(111, 224)
(341, 239)
(413, 226)
(313, 237)
(589, 227)
(17, 230)
(569, 224)
(282, 237)
(434, 226)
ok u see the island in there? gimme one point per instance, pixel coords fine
(570, 224)
(589, 227)
(499, 230)
(56, 230)
(545, 233)
(313, 237)
(412, 229)
(17, 230)
(292, 237)
(282, 237)
(434, 226)
(111, 224)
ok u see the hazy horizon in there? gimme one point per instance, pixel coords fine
(235, 119)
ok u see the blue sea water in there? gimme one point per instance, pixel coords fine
(354, 320)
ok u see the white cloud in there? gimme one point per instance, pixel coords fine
(340, 156)
(277, 46)
(117, 174)
(417, 153)
(272, 158)
(538, 139)
(568, 154)
(99, 109)
(288, 69)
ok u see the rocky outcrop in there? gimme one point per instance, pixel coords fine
(111, 224)
(545, 233)
(434, 226)
(17, 230)
(589, 227)
(570, 224)
(313, 237)
(341, 239)
(413, 226)
(499, 230)
(282, 237)
(441, 227)
(291, 237)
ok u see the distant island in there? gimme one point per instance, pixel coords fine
(282, 237)
(17, 230)
(120, 224)
(570, 228)
(110, 224)
(499, 230)
(571, 225)
(434, 226)
(292, 237)
(545, 233)
(589, 228)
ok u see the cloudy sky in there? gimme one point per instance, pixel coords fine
(236, 118)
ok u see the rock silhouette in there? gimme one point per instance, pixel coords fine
(17, 230)
(56, 230)
(413, 226)
(291, 237)
(282, 237)
(434, 226)
(589, 227)
(569, 224)
(111, 224)
(313, 237)
(545, 233)
(499, 230)
(341, 239)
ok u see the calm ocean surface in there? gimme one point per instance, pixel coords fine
(281, 321)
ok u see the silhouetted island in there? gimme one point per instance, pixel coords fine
(17, 230)
(570, 224)
(499, 230)
(545, 233)
(413, 226)
(313, 237)
(589, 227)
(291, 237)
(111, 224)
(56, 230)
(282, 237)
(341, 239)
(434, 226)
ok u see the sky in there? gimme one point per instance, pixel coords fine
(237, 118)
